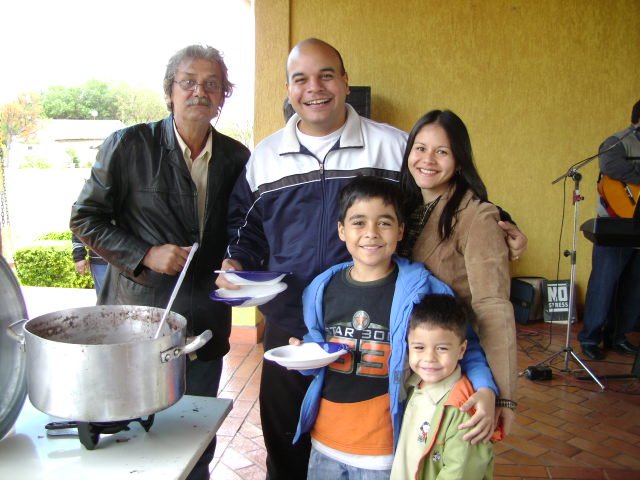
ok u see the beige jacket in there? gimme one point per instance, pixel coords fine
(474, 262)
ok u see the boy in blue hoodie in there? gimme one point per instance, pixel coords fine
(353, 408)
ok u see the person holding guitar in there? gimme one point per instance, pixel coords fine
(612, 306)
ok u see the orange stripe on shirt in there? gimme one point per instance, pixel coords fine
(361, 428)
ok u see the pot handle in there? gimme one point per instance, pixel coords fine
(192, 346)
(18, 337)
(197, 342)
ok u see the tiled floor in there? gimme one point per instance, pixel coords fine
(567, 428)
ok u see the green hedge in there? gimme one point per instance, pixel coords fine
(49, 263)
(56, 236)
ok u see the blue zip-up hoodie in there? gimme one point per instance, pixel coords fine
(413, 283)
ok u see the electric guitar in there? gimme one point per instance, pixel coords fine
(620, 198)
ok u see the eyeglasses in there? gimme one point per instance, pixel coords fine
(210, 86)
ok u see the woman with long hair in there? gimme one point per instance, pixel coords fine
(452, 228)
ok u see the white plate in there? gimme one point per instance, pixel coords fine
(252, 277)
(248, 295)
(307, 355)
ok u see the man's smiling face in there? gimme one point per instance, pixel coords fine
(317, 88)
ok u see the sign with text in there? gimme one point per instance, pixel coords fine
(556, 301)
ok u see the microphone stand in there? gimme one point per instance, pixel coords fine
(568, 351)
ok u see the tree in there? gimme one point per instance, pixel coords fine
(18, 119)
(139, 105)
(94, 99)
(61, 102)
(100, 100)
(100, 97)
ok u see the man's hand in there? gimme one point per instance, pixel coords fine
(483, 421)
(82, 267)
(167, 259)
(516, 240)
(228, 264)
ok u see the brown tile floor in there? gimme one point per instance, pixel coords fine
(567, 428)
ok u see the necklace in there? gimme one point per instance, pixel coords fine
(428, 208)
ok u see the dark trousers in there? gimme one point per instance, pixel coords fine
(203, 379)
(612, 302)
(281, 394)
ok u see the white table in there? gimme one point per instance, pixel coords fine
(169, 450)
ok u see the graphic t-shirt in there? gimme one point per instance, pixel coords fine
(355, 393)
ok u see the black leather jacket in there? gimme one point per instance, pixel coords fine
(140, 194)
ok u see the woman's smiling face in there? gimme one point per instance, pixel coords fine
(431, 161)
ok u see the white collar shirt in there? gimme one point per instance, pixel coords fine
(198, 167)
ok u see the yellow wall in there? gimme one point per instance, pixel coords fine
(539, 84)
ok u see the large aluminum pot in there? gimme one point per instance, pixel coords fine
(102, 364)
(13, 379)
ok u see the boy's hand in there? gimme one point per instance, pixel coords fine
(483, 421)
(297, 342)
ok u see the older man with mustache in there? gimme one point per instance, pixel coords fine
(155, 190)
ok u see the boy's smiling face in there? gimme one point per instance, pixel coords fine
(434, 353)
(371, 231)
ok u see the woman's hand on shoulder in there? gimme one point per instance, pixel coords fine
(516, 240)
(483, 422)
(506, 418)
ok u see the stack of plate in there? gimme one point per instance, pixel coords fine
(256, 287)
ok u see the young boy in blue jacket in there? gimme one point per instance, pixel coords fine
(353, 408)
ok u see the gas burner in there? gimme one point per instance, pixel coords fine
(89, 432)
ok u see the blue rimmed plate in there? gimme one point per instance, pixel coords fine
(252, 277)
(248, 295)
